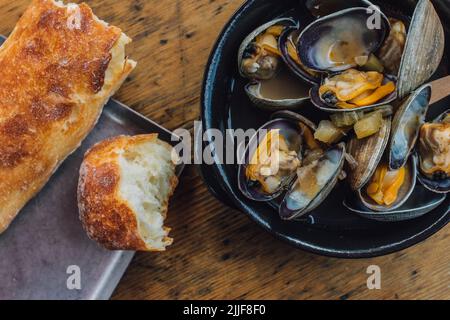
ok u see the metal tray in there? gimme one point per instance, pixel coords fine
(47, 237)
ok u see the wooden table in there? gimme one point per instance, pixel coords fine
(218, 252)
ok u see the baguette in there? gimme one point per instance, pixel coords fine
(58, 69)
(123, 192)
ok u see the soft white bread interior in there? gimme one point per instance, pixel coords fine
(146, 183)
(124, 190)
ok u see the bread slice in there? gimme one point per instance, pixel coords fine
(123, 192)
(58, 68)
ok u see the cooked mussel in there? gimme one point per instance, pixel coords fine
(378, 188)
(284, 160)
(366, 67)
(338, 41)
(260, 60)
(354, 90)
(423, 202)
(389, 189)
(316, 178)
(434, 154)
(392, 195)
(258, 56)
(338, 44)
(271, 160)
(383, 193)
(408, 119)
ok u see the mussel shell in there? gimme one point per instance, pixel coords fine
(255, 94)
(423, 51)
(321, 8)
(367, 153)
(310, 36)
(335, 155)
(403, 195)
(322, 105)
(293, 65)
(406, 125)
(437, 186)
(420, 203)
(292, 134)
(288, 22)
(293, 116)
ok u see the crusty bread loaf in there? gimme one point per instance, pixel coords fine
(58, 68)
(123, 192)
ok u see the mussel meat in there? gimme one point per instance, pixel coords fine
(434, 151)
(272, 163)
(389, 189)
(353, 89)
(391, 52)
(261, 60)
(271, 160)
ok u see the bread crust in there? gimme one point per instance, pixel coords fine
(52, 91)
(107, 218)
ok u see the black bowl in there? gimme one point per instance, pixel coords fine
(331, 229)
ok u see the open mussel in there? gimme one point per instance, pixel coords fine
(393, 195)
(271, 159)
(421, 203)
(284, 160)
(316, 178)
(260, 59)
(342, 46)
(354, 90)
(408, 119)
(389, 189)
(434, 154)
(381, 192)
(365, 68)
(339, 41)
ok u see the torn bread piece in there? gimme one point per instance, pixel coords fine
(58, 68)
(123, 192)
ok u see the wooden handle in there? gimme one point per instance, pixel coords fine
(440, 89)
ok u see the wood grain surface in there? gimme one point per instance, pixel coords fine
(218, 252)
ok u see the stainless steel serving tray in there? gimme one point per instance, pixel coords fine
(47, 237)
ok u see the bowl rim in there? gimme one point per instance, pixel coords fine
(217, 172)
